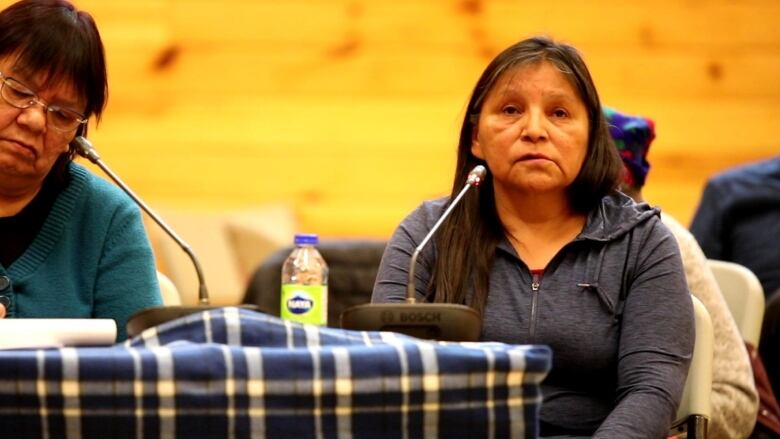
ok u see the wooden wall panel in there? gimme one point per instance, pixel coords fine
(218, 103)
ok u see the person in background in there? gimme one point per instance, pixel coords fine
(549, 252)
(738, 220)
(734, 397)
(71, 245)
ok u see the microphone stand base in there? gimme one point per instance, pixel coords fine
(154, 316)
(435, 321)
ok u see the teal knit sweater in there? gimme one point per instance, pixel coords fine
(91, 258)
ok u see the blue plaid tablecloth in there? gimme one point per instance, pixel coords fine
(232, 373)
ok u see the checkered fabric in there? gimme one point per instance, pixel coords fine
(232, 373)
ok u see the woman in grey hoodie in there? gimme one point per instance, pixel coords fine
(549, 252)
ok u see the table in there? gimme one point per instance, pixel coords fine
(233, 373)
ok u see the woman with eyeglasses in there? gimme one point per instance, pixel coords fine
(71, 245)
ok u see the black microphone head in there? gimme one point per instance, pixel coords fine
(82, 145)
(476, 175)
(85, 149)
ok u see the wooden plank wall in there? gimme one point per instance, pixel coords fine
(349, 109)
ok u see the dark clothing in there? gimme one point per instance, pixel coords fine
(738, 220)
(17, 232)
(620, 351)
(769, 344)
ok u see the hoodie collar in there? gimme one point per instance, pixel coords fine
(614, 216)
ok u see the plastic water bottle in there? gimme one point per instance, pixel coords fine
(305, 283)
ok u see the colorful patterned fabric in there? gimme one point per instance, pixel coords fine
(231, 373)
(632, 136)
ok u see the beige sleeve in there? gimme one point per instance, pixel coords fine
(734, 396)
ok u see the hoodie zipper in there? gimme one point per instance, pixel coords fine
(535, 282)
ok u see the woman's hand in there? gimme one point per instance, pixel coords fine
(2, 310)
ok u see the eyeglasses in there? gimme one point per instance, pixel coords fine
(20, 96)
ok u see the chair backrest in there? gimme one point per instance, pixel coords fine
(223, 241)
(695, 407)
(744, 296)
(170, 295)
(352, 263)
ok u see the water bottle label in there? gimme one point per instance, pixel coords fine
(305, 304)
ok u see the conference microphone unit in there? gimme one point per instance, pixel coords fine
(436, 321)
(153, 316)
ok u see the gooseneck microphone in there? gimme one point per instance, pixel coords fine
(85, 149)
(439, 321)
(151, 316)
(474, 178)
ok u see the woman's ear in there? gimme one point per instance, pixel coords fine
(476, 146)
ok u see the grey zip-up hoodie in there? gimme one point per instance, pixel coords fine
(612, 304)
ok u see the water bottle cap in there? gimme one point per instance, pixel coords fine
(306, 239)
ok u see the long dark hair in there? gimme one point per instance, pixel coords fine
(468, 239)
(53, 38)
